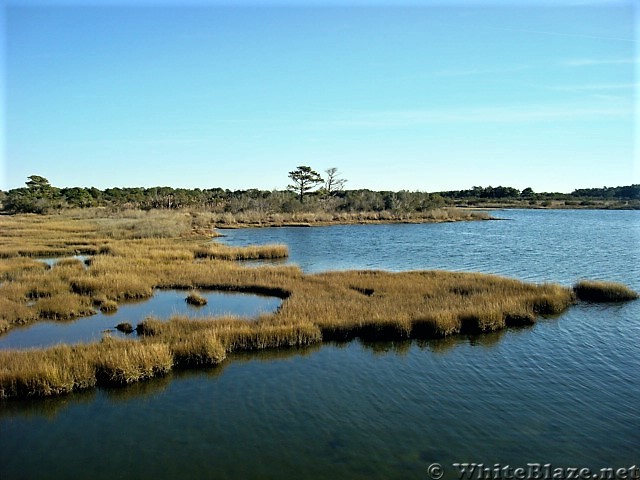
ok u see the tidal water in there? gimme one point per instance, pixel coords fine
(162, 305)
(565, 391)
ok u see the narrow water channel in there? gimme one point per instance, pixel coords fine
(163, 304)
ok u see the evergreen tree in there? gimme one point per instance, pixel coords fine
(304, 180)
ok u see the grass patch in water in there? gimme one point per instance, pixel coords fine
(125, 327)
(196, 299)
(600, 291)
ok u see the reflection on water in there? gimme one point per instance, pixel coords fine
(47, 408)
(54, 260)
(563, 391)
(351, 410)
(51, 406)
(163, 305)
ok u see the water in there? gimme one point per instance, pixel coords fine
(564, 391)
(163, 305)
(51, 261)
(538, 245)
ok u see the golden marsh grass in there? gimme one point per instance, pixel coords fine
(306, 219)
(600, 291)
(256, 252)
(372, 305)
(196, 299)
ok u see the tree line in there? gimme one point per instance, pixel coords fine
(630, 192)
(308, 192)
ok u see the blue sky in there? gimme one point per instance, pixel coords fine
(420, 96)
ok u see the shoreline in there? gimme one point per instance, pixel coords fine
(302, 220)
(267, 224)
(181, 343)
(130, 258)
(554, 205)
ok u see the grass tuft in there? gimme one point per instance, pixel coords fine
(108, 306)
(64, 306)
(120, 362)
(197, 349)
(124, 327)
(196, 299)
(600, 291)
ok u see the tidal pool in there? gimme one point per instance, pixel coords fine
(163, 305)
(51, 261)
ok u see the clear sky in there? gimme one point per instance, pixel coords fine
(420, 95)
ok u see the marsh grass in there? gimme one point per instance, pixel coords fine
(64, 306)
(600, 291)
(54, 371)
(254, 252)
(420, 304)
(11, 268)
(69, 262)
(370, 305)
(67, 368)
(113, 285)
(125, 327)
(302, 219)
(107, 306)
(119, 362)
(262, 336)
(197, 348)
(14, 313)
(196, 299)
(136, 224)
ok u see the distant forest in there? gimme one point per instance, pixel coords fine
(38, 196)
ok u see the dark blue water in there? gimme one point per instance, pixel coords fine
(538, 245)
(565, 391)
